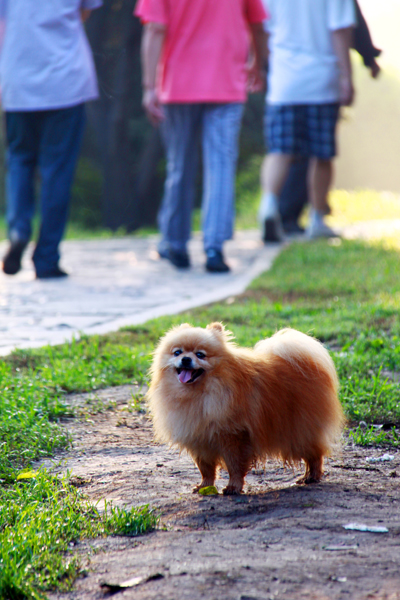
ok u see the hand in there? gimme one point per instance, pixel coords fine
(375, 69)
(346, 91)
(85, 14)
(152, 106)
(255, 78)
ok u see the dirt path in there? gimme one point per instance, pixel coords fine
(277, 540)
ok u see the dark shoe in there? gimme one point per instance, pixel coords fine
(12, 260)
(272, 231)
(292, 227)
(215, 262)
(56, 273)
(179, 258)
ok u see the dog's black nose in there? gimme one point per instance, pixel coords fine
(186, 362)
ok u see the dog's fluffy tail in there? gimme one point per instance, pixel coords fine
(298, 348)
(319, 422)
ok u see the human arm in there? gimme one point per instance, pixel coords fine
(342, 42)
(362, 43)
(259, 57)
(152, 44)
(85, 13)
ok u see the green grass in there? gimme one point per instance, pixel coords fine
(41, 521)
(34, 385)
(345, 293)
(42, 516)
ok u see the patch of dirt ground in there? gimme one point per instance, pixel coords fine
(277, 540)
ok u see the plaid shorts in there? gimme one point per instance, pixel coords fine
(302, 129)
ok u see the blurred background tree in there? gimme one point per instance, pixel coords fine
(121, 153)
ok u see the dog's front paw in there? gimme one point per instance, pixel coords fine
(202, 485)
(231, 490)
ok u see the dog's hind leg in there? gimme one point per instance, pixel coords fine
(208, 473)
(314, 470)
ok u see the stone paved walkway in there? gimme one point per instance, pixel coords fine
(114, 283)
(121, 281)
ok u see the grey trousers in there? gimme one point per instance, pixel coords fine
(219, 126)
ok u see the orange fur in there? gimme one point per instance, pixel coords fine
(279, 400)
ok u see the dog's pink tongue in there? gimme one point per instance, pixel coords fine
(185, 376)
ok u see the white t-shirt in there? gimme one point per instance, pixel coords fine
(46, 61)
(303, 67)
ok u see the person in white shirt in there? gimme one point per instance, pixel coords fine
(46, 75)
(309, 77)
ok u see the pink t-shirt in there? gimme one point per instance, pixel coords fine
(206, 47)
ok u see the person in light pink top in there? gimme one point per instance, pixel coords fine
(196, 73)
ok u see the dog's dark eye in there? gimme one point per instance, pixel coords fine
(177, 352)
(200, 355)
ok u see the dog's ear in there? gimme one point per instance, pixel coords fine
(219, 330)
(217, 327)
(183, 326)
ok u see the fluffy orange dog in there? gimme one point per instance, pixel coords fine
(231, 407)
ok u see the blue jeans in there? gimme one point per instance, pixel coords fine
(219, 125)
(47, 141)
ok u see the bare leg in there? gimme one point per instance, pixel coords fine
(273, 175)
(314, 470)
(320, 176)
(274, 171)
(319, 182)
(208, 472)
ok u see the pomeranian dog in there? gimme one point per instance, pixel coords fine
(232, 407)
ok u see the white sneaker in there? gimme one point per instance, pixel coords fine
(319, 229)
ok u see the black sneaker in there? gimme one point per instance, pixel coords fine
(179, 258)
(55, 273)
(215, 261)
(272, 230)
(12, 260)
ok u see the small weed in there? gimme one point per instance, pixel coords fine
(94, 405)
(137, 403)
(368, 436)
(374, 435)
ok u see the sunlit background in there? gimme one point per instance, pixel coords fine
(369, 134)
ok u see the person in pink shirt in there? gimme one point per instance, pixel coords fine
(196, 73)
